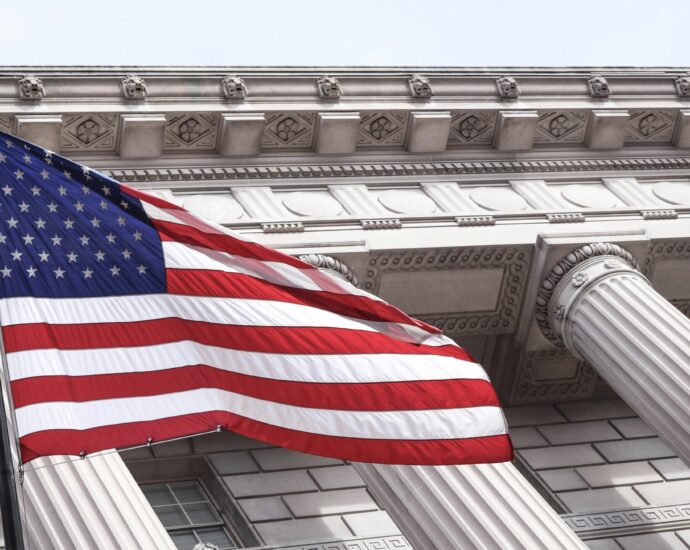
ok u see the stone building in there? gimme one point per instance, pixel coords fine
(540, 217)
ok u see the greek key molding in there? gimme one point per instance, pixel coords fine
(559, 271)
(589, 525)
(331, 264)
(529, 389)
(397, 542)
(306, 171)
(514, 261)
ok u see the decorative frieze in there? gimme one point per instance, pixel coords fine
(665, 214)
(289, 130)
(590, 526)
(191, 131)
(282, 227)
(383, 129)
(561, 127)
(645, 126)
(471, 221)
(566, 217)
(381, 223)
(90, 132)
(473, 127)
(501, 319)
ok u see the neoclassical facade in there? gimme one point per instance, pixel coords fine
(539, 217)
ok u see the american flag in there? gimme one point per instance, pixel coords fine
(127, 319)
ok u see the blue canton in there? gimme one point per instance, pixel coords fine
(67, 231)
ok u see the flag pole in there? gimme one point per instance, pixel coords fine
(9, 497)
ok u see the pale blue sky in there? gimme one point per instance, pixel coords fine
(346, 32)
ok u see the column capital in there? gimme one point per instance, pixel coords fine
(570, 277)
(332, 265)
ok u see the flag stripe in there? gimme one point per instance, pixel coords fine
(384, 451)
(281, 340)
(298, 368)
(406, 424)
(379, 396)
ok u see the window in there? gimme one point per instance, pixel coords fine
(187, 514)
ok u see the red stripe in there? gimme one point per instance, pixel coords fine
(220, 284)
(379, 396)
(383, 451)
(279, 340)
(178, 232)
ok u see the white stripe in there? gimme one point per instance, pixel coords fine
(144, 307)
(417, 425)
(359, 368)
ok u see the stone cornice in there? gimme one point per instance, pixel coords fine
(309, 171)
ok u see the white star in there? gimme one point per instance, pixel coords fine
(111, 238)
(62, 190)
(3, 238)
(103, 205)
(16, 256)
(9, 144)
(85, 189)
(115, 271)
(59, 273)
(40, 223)
(72, 257)
(79, 206)
(84, 240)
(19, 175)
(27, 159)
(121, 220)
(44, 256)
(32, 271)
(127, 253)
(87, 173)
(137, 235)
(45, 174)
(23, 206)
(95, 222)
(125, 205)
(106, 190)
(6, 272)
(36, 191)
(142, 269)
(68, 175)
(68, 223)
(28, 239)
(57, 241)
(87, 273)
(3, 158)
(52, 206)
(100, 255)
(49, 158)
(7, 189)
(12, 223)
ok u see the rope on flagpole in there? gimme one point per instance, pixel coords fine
(149, 443)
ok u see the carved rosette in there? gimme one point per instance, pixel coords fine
(329, 87)
(420, 86)
(331, 265)
(549, 310)
(31, 88)
(598, 86)
(134, 87)
(507, 87)
(233, 87)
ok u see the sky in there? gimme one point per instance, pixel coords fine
(450, 33)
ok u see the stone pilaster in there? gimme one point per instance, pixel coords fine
(464, 507)
(598, 304)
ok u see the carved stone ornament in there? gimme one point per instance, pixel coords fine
(134, 87)
(683, 85)
(420, 86)
(31, 88)
(233, 87)
(598, 86)
(507, 87)
(332, 265)
(329, 87)
(561, 269)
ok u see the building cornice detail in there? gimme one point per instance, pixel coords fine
(308, 171)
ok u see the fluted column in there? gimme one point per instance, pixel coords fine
(87, 504)
(484, 506)
(598, 304)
